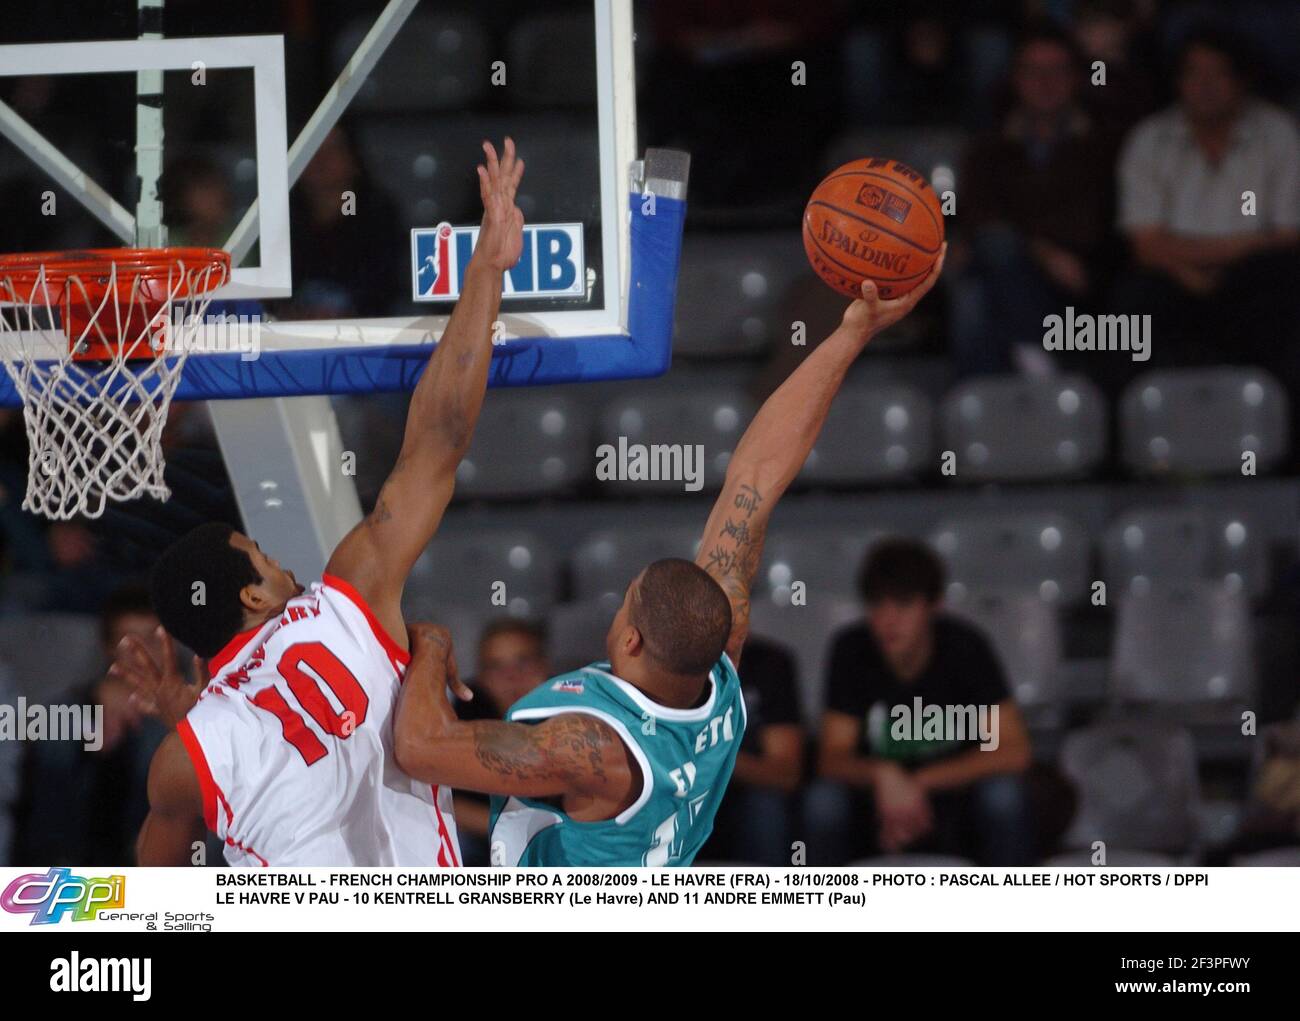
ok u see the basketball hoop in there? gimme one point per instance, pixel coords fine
(94, 342)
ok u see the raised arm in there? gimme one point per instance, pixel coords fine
(377, 555)
(572, 756)
(777, 443)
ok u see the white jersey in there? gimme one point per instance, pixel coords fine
(292, 741)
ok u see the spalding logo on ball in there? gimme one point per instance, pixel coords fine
(873, 219)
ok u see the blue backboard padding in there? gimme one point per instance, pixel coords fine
(644, 351)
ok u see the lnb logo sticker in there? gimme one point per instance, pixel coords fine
(47, 898)
(552, 265)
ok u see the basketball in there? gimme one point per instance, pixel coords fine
(874, 219)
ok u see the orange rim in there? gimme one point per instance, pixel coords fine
(205, 269)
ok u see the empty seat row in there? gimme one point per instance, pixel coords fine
(878, 432)
(1041, 553)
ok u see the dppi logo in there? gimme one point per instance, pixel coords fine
(552, 263)
(49, 897)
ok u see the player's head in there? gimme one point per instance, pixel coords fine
(214, 582)
(1213, 75)
(901, 582)
(675, 615)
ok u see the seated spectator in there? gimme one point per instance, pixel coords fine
(84, 807)
(753, 825)
(1216, 274)
(1034, 201)
(888, 790)
(347, 255)
(512, 661)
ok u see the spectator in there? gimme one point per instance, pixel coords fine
(1215, 268)
(512, 661)
(347, 241)
(754, 823)
(1034, 200)
(200, 208)
(83, 807)
(888, 790)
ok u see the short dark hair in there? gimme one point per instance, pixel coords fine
(900, 568)
(1044, 31)
(683, 616)
(1223, 41)
(124, 601)
(203, 554)
(533, 629)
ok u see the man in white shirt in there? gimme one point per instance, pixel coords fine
(1209, 199)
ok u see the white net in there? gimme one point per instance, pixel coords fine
(95, 350)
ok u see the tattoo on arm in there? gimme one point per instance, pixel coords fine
(734, 557)
(568, 749)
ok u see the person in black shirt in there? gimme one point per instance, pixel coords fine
(923, 744)
(754, 823)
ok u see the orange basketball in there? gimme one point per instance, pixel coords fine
(873, 219)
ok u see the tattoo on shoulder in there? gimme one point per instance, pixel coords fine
(566, 748)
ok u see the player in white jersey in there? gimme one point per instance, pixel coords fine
(287, 752)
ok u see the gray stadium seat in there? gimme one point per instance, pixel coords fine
(459, 569)
(25, 644)
(1202, 420)
(827, 561)
(526, 444)
(712, 416)
(1137, 786)
(552, 60)
(1033, 551)
(577, 631)
(874, 433)
(729, 290)
(1185, 544)
(807, 632)
(1115, 858)
(1026, 634)
(605, 562)
(436, 62)
(1012, 428)
(1183, 642)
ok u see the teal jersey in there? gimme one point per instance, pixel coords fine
(686, 758)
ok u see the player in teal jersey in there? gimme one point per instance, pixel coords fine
(624, 762)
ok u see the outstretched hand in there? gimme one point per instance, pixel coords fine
(501, 236)
(157, 689)
(871, 314)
